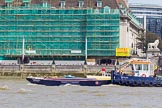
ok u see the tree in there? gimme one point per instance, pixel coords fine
(141, 42)
(160, 45)
(151, 37)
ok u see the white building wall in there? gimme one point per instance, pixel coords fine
(123, 34)
(128, 34)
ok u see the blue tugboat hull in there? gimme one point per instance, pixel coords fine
(134, 81)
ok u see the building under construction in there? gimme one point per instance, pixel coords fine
(58, 29)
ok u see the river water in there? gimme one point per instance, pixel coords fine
(21, 94)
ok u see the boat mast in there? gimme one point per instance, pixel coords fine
(85, 51)
(23, 50)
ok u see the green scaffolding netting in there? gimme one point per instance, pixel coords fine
(50, 31)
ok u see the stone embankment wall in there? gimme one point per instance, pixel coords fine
(50, 70)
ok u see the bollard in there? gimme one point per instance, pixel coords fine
(53, 67)
(112, 76)
(21, 68)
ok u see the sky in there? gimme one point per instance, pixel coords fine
(157, 2)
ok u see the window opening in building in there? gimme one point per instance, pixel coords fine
(45, 4)
(99, 3)
(62, 4)
(81, 4)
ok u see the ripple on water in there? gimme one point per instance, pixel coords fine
(100, 94)
(63, 91)
(94, 92)
(81, 91)
(106, 105)
(97, 106)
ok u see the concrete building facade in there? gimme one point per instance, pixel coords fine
(130, 28)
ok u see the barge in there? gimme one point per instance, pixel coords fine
(49, 81)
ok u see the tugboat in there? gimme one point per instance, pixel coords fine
(137, 73)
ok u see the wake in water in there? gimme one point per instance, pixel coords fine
(70, 85)
(30, 84)
(111, 85)
(4, 87)
(24, 91)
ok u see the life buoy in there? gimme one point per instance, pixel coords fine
(143, 75)
(97, 83)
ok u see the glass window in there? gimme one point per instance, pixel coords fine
(62, 4)
(99, 3)
(138, 66)
(81, 4)
(145, 67)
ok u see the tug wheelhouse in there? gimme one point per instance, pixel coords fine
(142, 68)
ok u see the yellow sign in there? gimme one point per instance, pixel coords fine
(123, 52)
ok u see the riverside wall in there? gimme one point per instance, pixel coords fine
(22, 71)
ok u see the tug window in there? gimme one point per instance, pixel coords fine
(145, 67)
(138, 66)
